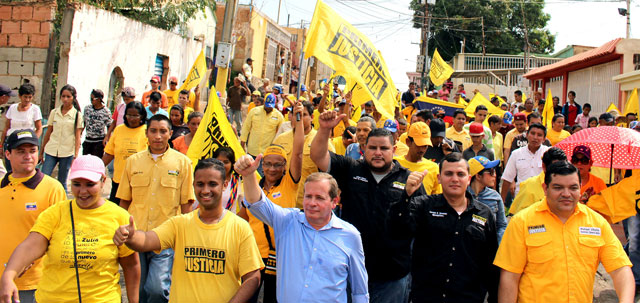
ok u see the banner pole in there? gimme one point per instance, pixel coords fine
(302, 71)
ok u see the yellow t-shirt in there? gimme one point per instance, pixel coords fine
(339, 129)
(21, 205)
(210, 259)
(97, 254)
(283, 194)
(430, 181)
(555, 137)
(187, 111)
(308, 167)
(340, 148)
(462, 137)
(508, 139)
(401, 148)
(251, 106)
(530, 192)
(497, 146)
(173, 98)
(123, 143)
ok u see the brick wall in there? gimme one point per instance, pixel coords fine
(25, 29)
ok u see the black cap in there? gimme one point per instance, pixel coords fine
(438, 128)
(607, 117)
(249, 59)
(22, 136)
(6, 91)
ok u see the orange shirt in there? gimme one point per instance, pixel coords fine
(180, 145)
(594, 182)
(145, 99)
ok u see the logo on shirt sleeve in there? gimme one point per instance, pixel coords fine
(204, 260)
(591, 231)
(30, 206)
(536, 229)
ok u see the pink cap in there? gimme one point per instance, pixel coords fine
(155, 78)
(173, 79)
(87, 167)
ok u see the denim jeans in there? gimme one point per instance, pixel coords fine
(27, 296)
(236, 115)
(63, 167)
(634, 246)
(396, 291)
(155, 276)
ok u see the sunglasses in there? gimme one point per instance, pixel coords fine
(173, 83)
(575, 160)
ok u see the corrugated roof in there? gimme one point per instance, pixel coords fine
(604, 50)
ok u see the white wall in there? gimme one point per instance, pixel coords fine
(102, 40)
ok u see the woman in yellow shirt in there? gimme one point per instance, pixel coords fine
(126, 140)
(76, 237)
(557, 133)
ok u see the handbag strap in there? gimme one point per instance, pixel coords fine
(75, 253)
(268, 235)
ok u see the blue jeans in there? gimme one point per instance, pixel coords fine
(396, 291)
(634, 246)
(155, 276)
(63, 169)
(236, 116)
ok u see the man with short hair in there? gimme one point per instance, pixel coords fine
(319, 256)
(418, 140)
(552, 249)
(236, 95)
(247, 72)
(531, 188)
(156, 185)
(571, 109)
(154, 105)
(440, 145)
(369, 187)
(155, 87)
(517, 101)
(260, 127)
(364, 126)
(26, 192)
(481, 113)
(525, 163)
(410, 94)
(495, 123)
(457, 132)
(5, 94)
(455, 238)
(606, 119)
(521, 140)
(216, 257)
(476, 131)
(172, 92)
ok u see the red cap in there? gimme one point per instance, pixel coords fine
(155, 78)
(520, 117)
(476, 129)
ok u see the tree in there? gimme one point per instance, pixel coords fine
(454, 21)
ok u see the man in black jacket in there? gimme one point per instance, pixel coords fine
(455, 238)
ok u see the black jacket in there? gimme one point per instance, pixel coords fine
(452, 254)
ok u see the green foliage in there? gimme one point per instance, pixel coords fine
(504, 26)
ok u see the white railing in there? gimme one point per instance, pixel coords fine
(499, 61)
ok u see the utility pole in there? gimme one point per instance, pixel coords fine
(628, 18)
(223, 56)
(426, 32)
(526, 39)
(279, 4)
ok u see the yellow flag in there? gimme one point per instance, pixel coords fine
(214, 132)
(198, 70)
(548, 111)
(339, 45)
(612, 107)
(499, 98)
(440, 71)
(632, 105)
(463, 102)
(479, 99)
(617, 202)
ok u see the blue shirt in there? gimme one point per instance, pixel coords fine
(159, 112)
(353, 151)
(492, 198)
(314, 265)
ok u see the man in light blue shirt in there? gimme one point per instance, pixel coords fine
(317, 252)
(155, 99)
(364, 126)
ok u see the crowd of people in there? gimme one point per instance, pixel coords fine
(330, 202)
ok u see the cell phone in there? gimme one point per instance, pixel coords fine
(297, 117)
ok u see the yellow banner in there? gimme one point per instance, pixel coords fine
(632, 105)
(198, 70)
(613, 107)
(479, 99)
(617, 202)
(339, 45)
(440, 71)
(214, 132)
(548, 112)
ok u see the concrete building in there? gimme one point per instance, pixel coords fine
(258, 37)
(105, 50)
(594, 75)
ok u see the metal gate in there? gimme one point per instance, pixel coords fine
(271, 57)
(595, 86)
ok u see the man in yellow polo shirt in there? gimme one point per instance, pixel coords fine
(457, 132)
(418, 139)
(260, 127)
(550, 251)
(25, 192)
(156, 185)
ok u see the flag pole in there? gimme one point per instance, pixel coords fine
(302, 72)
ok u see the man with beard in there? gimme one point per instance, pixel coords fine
(216, 257)
(369, 187)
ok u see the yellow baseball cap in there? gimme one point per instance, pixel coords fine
(274, 149)
(420, 133)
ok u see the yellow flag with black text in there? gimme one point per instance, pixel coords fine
(198, 70)
(342, 47)
(214, 132)
(440, 71)
(548, 111)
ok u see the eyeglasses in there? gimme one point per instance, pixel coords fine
(576, 160)
(132, 116)
(153, 81)
(273, 165)
(173, 83)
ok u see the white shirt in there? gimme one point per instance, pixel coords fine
(23, 119)
(246, 70)
(523, 165)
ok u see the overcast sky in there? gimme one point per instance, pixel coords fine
(388, 25)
